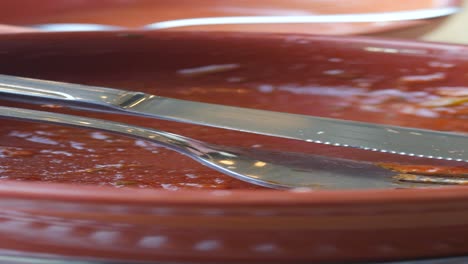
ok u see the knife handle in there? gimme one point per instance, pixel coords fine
(39, 91)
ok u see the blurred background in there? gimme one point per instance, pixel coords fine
(432, 20)
(453, 30)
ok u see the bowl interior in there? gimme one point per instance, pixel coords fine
(351, 78)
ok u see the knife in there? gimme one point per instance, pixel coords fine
(397, 16)
(367, 136)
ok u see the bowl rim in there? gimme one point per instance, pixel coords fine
(105, 194)
(42, 191)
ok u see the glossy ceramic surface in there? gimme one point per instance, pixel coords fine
(231, 226)
(136, 13)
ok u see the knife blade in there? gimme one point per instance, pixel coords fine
(367, 136)
(397, 16)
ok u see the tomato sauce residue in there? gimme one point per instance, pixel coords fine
(428, 173)
(427, 170)
(334, 87)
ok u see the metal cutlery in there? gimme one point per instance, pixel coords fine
(332, 18)
(341, 133)
(278, 170)
(242, 20)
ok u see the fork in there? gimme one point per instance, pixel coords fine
(277, 170)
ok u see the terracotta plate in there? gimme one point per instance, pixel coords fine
(68, 192)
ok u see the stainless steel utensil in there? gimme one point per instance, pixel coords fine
(76, 27)
(333, 18)
(242, 20)
(367, 136)
(279, 170)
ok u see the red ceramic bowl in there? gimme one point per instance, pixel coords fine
(137, 13)
(71, 220)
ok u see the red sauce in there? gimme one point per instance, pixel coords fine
(427, 170)
(327, 83)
